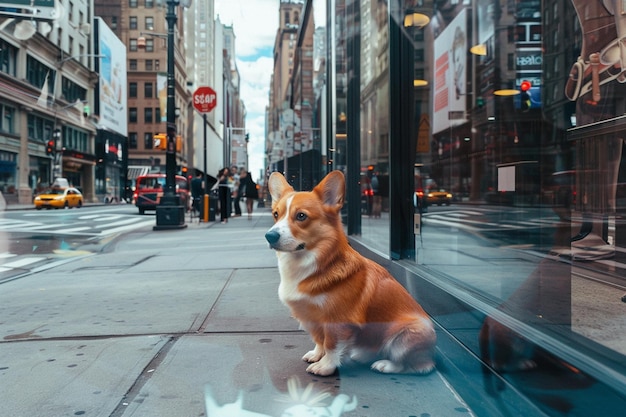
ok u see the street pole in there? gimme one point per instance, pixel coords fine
(205, 204)
(170, 214)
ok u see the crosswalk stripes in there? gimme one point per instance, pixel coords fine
(478, 222)
(93, 225)
(18, 263)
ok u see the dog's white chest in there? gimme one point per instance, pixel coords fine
(293, 270)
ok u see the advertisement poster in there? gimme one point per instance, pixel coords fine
(112, 87)
(451, 75)
(162, 94)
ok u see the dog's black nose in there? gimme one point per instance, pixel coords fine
(272, 236)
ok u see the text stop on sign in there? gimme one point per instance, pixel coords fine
(204, 99)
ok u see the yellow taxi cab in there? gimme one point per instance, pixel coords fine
(57, 197)
(438, 197)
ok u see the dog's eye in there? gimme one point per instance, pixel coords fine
(301, 217)
(276, 215)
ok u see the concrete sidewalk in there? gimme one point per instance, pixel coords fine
(181, 323)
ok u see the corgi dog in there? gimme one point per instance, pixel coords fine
(352, 307)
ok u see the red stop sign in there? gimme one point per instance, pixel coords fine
(204, 99)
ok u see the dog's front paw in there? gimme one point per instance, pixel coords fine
(321, 368)
(313, 355)
(387, 367)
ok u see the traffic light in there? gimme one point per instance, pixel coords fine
(50, 146)
(524, 89)
(160, 141)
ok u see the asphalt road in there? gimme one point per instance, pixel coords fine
(31, 239)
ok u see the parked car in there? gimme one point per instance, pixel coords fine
(59, 198)
(438, 197)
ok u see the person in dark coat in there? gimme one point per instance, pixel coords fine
(248, 189)
(224, 193)
(197, 192)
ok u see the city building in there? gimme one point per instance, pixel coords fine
(235, 149)
(47, 81)
(204, 61)
(142, 27)
(281, 114)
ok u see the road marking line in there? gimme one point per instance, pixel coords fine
(118, 223)
(72, 230)
(17, 225)
(23, 262)
(128, 227)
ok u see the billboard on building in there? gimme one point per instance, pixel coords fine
(450, 89)
(111, 67)
(162, 94)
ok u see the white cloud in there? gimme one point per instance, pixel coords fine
(255, 23)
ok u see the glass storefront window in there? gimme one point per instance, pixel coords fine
(513, 120)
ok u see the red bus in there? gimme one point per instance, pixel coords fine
(149, 190)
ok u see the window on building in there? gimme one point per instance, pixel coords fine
(149, 4)
(156, 65)
(70, 50)
(132, 4)
(149, 45)
(132, 64)
(148, 90)
(37, 73)
(8, 57)
(149, 64)
(149, 23)
(132, 115)
(148, 140)
(132, 22)
(72, 91)
(132, 140)
(157, 115)
(7, 119)
(113, 22)
(132, 90)
(147, 115)
(39, 129)
(132, 46)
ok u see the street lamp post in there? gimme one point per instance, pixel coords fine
(170, 214)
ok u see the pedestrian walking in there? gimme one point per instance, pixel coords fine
(234, 183)
(197, 191)
(248, 189)
(224, 193)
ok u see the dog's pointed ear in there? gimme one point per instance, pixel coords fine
(278, 186)
(332, 189)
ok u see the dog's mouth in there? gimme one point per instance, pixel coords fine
(280, 248)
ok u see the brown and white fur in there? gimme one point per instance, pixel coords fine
(351, 306)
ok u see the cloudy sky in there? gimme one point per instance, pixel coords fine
(255, 23)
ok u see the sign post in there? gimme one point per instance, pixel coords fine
(205, 100)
